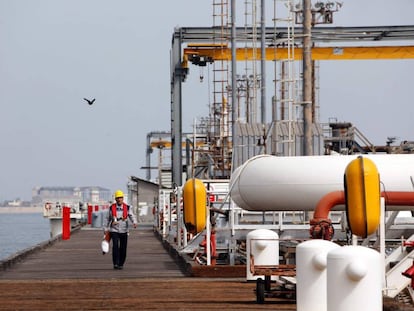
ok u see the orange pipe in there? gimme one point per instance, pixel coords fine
(328, 201)
(213, 247)
(398, 198)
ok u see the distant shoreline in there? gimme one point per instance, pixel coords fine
(21, 209)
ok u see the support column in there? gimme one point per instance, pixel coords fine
(178, 74)
(263, 62)
(307, 78)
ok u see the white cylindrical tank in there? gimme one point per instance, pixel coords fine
(354, 279)
(270, 183)
(311, 267)
(262, 246)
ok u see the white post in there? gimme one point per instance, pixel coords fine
(354, 240)
(280, 214)
(169, 216)
(179, 217)
(184, 234)
(232, 216)
(382, 240)
(165, 215)
(208, 234)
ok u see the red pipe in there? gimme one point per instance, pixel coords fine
(398, 198)
(321, 226)
(327, 202)
(213, 247)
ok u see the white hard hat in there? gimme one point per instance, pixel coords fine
(105, 246)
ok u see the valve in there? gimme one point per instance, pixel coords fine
(321, 229)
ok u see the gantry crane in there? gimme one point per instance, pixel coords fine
(201, 49)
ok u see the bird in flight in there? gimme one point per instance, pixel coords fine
(90, 102)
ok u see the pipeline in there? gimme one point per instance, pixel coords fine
(321, 225)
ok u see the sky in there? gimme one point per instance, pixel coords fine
(54, 53)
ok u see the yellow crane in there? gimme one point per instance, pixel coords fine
(201, 54)
(161, 144)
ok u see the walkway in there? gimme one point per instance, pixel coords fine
(74, 275)
(81, 257)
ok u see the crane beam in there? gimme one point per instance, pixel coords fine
(202, 54)
(161, 144)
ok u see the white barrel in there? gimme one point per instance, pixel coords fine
(263, 249)
(354, 279)
(270, 183)
(311, 267)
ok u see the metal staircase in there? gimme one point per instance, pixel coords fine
(395, 281)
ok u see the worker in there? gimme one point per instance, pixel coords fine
(117, 223)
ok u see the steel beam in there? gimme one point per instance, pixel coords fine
(318, 53)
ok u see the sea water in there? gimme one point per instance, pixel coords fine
(19, 231)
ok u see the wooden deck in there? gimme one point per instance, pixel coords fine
(81, 257)
(74, 275)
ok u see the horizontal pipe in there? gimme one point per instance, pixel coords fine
(271, 183)
(330, 200)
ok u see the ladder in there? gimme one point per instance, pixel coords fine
(220, 109)
(287, 86)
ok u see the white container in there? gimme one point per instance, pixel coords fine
(311, 267)
(262, 248)
(104, 246)
(354, 279)
(270, 183)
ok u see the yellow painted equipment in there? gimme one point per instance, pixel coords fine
(362, 196)
(195, 205)
(215, 53)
